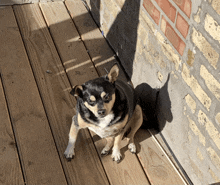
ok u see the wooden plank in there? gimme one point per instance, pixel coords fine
(155, 163)
(159, 138)
(99, 50)
(39, 157)
(59, 104)
(129, 170)
(90, 31)
(13, 2)
(10, 169)
(68, 42)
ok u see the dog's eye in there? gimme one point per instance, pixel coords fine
(91, 100)
(106, 98)
(92, 103)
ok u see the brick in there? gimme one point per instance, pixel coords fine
(217, 118)
(210, 128)
(214, 175)
(212, 27)
(196, 131)
(197, 16)
(167, 8)
(185, 6)
(189, 138)
(199, 154)
(191, 57)
(172, 36)
(211, 82)
(139, 48)
(142, 33)
(195, 87)
(182, 25)
(160, 76)
(210, 54)
(168, 51)
(191, 103)
(120, 3)
(152, 10)
(216, 6)
(146, 21)
(214, 157)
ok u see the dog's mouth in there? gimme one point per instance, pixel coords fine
(102, 116)
(98, 115)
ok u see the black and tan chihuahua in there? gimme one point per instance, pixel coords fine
(108, 107)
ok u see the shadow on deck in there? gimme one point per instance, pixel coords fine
(45, 50)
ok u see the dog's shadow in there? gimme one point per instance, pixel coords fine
(156, 106)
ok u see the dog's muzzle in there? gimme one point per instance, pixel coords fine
(101, 112)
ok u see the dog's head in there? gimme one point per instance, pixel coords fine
(98, 95)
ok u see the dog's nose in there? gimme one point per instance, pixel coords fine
(101, 112)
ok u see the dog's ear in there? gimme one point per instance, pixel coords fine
(77, 91)
(113, 74)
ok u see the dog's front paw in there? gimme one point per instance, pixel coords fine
(116, 156)
(105, 152)
(69, 154)
(132, 148)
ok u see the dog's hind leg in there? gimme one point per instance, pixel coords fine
(107, 148)
(69, 152)
(136, 121)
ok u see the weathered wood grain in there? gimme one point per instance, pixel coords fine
(54, 88)
(154, 161)
(71, 49)
(39, 157)
(13, 2)
(160, 141)
(92, 37)
(32, 127)
(10, 169)
(98, 48)
(129, 170)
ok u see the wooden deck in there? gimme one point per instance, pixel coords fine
(45, 49)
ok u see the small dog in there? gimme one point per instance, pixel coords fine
(108, 107)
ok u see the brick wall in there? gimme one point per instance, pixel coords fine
(154, 38)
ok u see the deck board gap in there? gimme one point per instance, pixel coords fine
(99, 74)
(65, 70)
(184, 178)
(10, 117)
(115, 54)
(106, 174)
(65, 77)
(13, 129)
(56, 57)
(38, 88)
